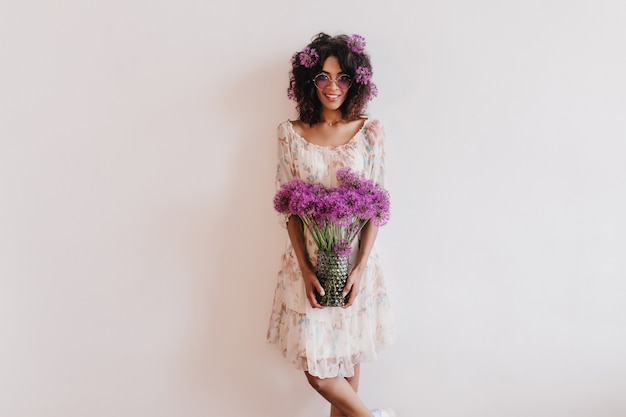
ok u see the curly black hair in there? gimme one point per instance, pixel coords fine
(302, 89)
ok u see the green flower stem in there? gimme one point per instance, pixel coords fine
(326, 234)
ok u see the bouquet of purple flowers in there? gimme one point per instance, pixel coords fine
(335, 215)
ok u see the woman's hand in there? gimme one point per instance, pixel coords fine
(312, 285)
(352, 286)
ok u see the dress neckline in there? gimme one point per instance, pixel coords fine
(329, 148)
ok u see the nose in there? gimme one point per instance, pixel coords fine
(333, 83)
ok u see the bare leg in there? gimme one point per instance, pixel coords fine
(340, 394)
(354, 383)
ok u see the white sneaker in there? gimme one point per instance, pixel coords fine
(383, 412)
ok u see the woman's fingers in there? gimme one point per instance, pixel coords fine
(347, 288)
(351, 296)
(313, 286)
(351, 289)
(314, 302)
(311, 294)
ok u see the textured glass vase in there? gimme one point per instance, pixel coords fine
(332, 272)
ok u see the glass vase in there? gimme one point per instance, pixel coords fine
(332, 273)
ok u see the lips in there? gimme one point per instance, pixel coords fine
(332, 97)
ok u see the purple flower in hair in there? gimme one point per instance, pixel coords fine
(308, 57)
(363, 75)
(373, 91)
(356, 43)
(291, 94)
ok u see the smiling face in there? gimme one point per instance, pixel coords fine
(332, 97)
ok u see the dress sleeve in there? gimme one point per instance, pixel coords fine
(376, 139)
(284, 168)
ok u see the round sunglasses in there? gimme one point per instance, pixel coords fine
(322, 81)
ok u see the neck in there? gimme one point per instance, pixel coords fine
(331, 118)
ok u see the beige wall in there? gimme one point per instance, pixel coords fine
(138, 247)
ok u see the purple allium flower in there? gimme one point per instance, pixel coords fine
(352, 199)
(291, 94)
(356, 43)
(340, 213)
(342, 174)
(304, 199)
(325, 207)
(281, 201)
(363, 75)
(373, 91)
(283, 197)
(349, 179)
(335, 215)
(308, 57)
(342, 247)
(380, 202)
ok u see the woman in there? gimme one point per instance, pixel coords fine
(331, 84)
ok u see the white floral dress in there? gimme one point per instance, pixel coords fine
(329, 342)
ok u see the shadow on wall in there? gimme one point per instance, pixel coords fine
(230, 368)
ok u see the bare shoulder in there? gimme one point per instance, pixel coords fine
(300, 127)
(360, 122)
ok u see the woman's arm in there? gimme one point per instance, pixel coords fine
(295, 228)
(368, 237)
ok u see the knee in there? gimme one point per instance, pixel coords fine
(320, 385)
